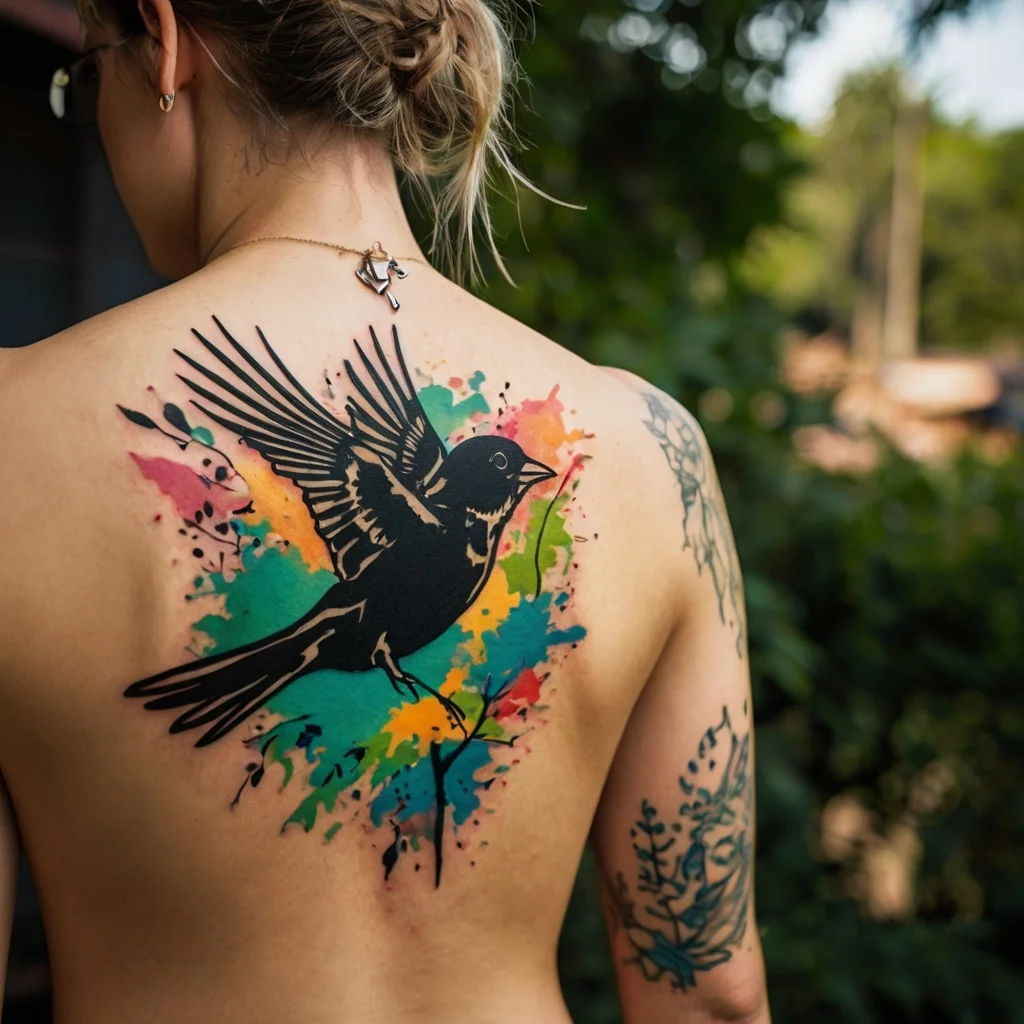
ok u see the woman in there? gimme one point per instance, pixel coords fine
(340, 608)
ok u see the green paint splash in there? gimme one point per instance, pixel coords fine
(521, 567)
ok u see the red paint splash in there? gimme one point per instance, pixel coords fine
(524, 693)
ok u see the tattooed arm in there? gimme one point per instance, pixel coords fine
(675, 830)
(8, 878)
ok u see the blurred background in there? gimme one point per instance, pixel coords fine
(805, 219)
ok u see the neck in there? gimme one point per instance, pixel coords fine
(341, 192)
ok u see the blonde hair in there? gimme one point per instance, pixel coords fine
(430, 78)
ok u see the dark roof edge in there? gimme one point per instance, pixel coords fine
(54, 19)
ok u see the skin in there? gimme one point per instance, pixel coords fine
(159, 904)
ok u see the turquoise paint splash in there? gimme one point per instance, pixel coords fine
(274, 589)
(522, 641)
(445, 413)
(412, 792)
(352, 711)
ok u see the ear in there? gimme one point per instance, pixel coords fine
(162, 26)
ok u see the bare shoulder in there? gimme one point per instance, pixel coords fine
(47, 389)
(73, 360)
(659, 404)
(57, 398)
(667, 438)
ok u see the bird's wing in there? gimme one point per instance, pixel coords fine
(357, 503)
(388, 416)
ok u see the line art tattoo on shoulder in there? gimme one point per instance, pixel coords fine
(382, 583)
(693, 873)
(705, 527)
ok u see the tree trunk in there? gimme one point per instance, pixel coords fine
(902, 308)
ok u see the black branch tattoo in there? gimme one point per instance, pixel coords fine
(706, 529)
(694, 874)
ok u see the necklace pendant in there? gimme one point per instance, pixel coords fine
(375, 270)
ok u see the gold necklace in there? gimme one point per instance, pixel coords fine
(375, 265)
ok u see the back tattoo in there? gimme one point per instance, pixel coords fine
(383, 583)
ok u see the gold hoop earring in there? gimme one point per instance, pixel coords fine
(166, 102)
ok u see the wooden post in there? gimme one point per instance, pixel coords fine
(903, 298)
(866, 325)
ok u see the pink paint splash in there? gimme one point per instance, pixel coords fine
(188, 490)
(538, 427)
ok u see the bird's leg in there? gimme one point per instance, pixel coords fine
(384, 659)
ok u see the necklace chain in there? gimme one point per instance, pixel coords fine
(314, 241)
(376, 269)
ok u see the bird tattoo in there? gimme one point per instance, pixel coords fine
(412, 529)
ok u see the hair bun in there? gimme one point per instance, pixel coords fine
(424, 41)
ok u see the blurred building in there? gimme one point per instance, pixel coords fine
(927, 406)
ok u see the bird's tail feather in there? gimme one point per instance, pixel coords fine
(223, 690)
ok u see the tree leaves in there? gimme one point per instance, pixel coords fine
(139, 418)
(176, 418)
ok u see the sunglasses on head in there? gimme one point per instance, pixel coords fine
(75, 89)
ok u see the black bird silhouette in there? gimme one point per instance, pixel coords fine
(412, 529)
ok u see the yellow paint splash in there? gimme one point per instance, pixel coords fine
(279, 501)
(487, 612)
(426, 721)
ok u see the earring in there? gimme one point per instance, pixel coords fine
(166, 102)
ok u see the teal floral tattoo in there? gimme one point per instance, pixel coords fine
(693, 874)
(705, 526)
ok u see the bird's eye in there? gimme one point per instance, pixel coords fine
(500, 459)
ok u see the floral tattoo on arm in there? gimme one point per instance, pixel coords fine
(687, 909)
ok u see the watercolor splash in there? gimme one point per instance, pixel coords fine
(353, 752)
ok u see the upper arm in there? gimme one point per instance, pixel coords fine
(9, 849)
(674, 834)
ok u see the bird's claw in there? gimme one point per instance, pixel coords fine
(455, 713)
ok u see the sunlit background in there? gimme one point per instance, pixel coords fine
(806, 220)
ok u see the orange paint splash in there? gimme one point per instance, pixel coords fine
(537, 426)
(539, 429)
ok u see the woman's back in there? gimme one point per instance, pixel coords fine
(334, 614)
(264, 864)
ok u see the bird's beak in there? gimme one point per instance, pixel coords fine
(532, 473)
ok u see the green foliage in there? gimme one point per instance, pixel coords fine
(837, 223)
(885, 611)
(973, 237)
(884, 620)
(692, 163)
(930, 12)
